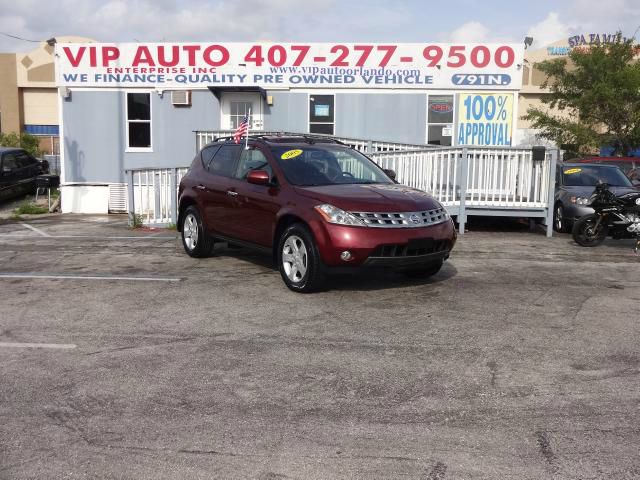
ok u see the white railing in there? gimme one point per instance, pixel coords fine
(434, 171)
(494, 177)
(154, 192)
(362, 145)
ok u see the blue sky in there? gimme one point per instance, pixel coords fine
(318, 20)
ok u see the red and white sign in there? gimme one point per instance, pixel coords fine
(288, 65)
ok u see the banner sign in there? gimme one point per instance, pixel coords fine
(289, 65)
(485, 119)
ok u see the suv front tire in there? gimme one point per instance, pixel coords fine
(298, 259)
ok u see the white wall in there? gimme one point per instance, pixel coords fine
(85, 199)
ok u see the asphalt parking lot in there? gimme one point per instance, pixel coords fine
(121, 357)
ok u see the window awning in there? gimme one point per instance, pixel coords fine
(217, 91)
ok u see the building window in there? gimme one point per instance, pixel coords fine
(238, 111)
(321, 114)
(440, 120)
(139, 121)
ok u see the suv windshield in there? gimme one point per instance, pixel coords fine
(591, 175)
(313, 165)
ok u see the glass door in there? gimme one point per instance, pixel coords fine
(234, 107)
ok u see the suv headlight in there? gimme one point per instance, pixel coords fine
(579, 200)
(338, 216)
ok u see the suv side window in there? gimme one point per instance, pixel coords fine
(224, 161)
(252, 159)
(25, 160)
(207, 154)
(9, 162)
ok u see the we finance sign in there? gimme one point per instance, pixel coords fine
(287, 65)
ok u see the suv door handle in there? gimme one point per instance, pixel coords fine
(200, 187)
(232, 193)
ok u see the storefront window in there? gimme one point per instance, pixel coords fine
(321, 114)
(139, 121)
(440, 120)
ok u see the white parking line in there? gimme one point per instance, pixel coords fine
(87, 277)
(91, 237)
(37, 230)
(62, 346)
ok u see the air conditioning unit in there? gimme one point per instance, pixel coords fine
(181, 97)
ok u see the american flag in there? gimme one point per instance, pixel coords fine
(242, 129)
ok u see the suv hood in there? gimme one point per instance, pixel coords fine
(371, 198)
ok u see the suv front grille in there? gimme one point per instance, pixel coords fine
(402, 219)
(412, 249)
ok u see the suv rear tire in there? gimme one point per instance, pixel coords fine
(298, 260)
(195, 239)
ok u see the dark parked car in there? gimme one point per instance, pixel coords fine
(626, 164)
(316, 205)
(575, 182)
(629, 165)
(18, 172)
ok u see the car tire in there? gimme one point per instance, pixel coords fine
(424, 272)
(559, 221)
(195, 239)
(299, 260)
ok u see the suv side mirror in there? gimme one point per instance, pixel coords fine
(258, 177)
(390, 173)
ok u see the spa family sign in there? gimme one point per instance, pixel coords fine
(287, 65)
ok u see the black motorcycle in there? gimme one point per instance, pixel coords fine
(615, 216)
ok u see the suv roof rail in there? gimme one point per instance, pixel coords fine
(307, 137)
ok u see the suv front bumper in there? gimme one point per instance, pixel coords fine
(384, 247)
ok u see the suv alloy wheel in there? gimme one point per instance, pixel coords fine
(298, 259)
(195, 240)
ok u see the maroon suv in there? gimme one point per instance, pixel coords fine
(316, 205)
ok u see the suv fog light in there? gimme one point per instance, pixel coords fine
(346, 255)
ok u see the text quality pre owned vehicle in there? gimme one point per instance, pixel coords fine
(315, 204)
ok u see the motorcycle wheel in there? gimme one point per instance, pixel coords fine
(585, 234)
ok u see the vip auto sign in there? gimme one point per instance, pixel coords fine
(273, 65)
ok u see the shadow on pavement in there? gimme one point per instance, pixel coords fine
(365, 280)
(502, 224)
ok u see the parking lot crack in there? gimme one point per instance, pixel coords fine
(493, 370)
(544, 446)
(438, 471)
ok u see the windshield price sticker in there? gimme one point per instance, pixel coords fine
(291, 154)
(409, 65)
(571, 171)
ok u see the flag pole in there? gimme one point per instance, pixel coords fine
(246, 145)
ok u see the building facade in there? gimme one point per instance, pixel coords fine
(132, 106)
(29, 94)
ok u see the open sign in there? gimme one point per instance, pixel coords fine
(441, 107)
